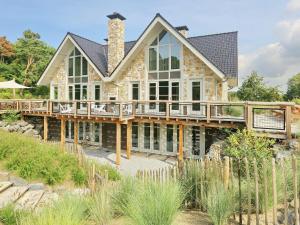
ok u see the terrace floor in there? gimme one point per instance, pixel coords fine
(138, 161)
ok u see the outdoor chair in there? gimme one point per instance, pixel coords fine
(65, 109)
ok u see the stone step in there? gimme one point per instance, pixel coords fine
(11, 195)
(5, 185)
(30, 199)
(47, 198)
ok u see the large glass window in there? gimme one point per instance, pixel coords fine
(135, 91)
(156, 136)
(170, 138)
(135, 135)
(164, 57)
(147, 135)
(78, 67)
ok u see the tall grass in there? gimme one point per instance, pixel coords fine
(70, 210)
(32, 159)
(100, 207)
(122, 195)
(219, 204)
(155, 204)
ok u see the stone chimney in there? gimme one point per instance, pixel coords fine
(116, 32)
(183, 30)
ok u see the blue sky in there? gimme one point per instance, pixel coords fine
(261, 23)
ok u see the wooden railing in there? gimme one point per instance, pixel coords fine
(256, 115)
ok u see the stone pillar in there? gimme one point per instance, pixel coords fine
(116, 33)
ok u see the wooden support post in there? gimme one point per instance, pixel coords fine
(45, 128)
(226, 172)
(265, 191)
(118, 143)
(129, 139)
(295, 176)
(256, 192)
(274, 191)
(62, 133)
(180, 155)
(76, 135)
(249, 207)
(288, 121)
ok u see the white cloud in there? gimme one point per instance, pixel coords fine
(293, 5)
(276, 61)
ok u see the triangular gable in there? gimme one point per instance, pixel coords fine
(159, 20)
(60, 55)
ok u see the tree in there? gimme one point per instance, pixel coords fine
(32, 56)
(254, 89)
(293, 90)
(6, 49)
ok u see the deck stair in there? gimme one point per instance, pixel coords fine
(24, 196)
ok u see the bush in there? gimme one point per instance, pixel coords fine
(70, 210)
(10, 216)
(245, 144)
(219, 204)
(79, 176)
(155, 203)
(100, 207)
(32, 159)
(11, 116)
(112, 173)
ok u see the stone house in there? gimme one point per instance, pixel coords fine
(163, 64)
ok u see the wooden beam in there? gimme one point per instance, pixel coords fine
(118, 143)
(62, 133)
(45, 128)
(129, 139)
(180, 155)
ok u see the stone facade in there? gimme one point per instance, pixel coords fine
(116, 32)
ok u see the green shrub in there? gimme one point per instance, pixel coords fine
(79, 176)
(155, 203)
(10, 216)
(219, 204)
(11, 116)
(70, 210)
(112, 173)
(100, 207)
(32, 159)
(245, 144)
(296, 100)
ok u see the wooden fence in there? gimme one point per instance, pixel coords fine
(267, 191)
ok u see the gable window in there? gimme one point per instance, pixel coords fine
(77, 72)
(164, 57)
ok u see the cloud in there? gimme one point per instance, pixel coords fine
(278, 61)
(293, 5)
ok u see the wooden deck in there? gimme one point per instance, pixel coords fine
(269, 119)
(274, 119)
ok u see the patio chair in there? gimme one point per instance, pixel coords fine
(127, 109)
(65, 109)
(99, 108)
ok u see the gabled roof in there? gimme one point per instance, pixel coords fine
(219, 51)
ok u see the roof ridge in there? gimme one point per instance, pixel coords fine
(85, 38)
(205, 35)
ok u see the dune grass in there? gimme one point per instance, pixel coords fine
(34, 160)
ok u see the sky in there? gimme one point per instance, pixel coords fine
(269, 30)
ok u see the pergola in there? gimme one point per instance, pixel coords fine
(11, 85)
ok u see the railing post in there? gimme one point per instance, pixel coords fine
(29, 106)
(134, 108)
(167, 110)
(120, 111)
(51, 108)
(208, 113)
(249, 119)
(288, 121)
(89, 110)
(75, 109)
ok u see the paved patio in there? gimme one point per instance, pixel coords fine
(138, 161)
